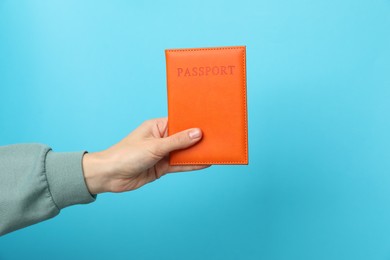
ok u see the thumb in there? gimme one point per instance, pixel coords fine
(180, 140)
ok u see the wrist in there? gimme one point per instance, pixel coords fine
(95, 172)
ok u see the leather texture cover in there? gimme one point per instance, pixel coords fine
(207, 89)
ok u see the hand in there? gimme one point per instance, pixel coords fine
(140, 158)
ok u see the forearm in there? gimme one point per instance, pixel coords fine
(36, 183)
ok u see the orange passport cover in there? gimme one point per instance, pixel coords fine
(207, 89)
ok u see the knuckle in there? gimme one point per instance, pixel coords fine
(181, 139)
(147, 122)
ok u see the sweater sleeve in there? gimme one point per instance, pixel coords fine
(36, 183)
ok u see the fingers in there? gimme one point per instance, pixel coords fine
(183, 168)
(180, 140)
(186, 168)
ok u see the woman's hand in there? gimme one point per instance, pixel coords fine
(140, 158)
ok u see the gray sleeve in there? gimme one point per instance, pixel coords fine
(36, 183)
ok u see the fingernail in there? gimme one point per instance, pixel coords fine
(194, 134)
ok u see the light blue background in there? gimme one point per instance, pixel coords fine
(82, 74)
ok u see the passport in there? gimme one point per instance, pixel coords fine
(206, 88)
